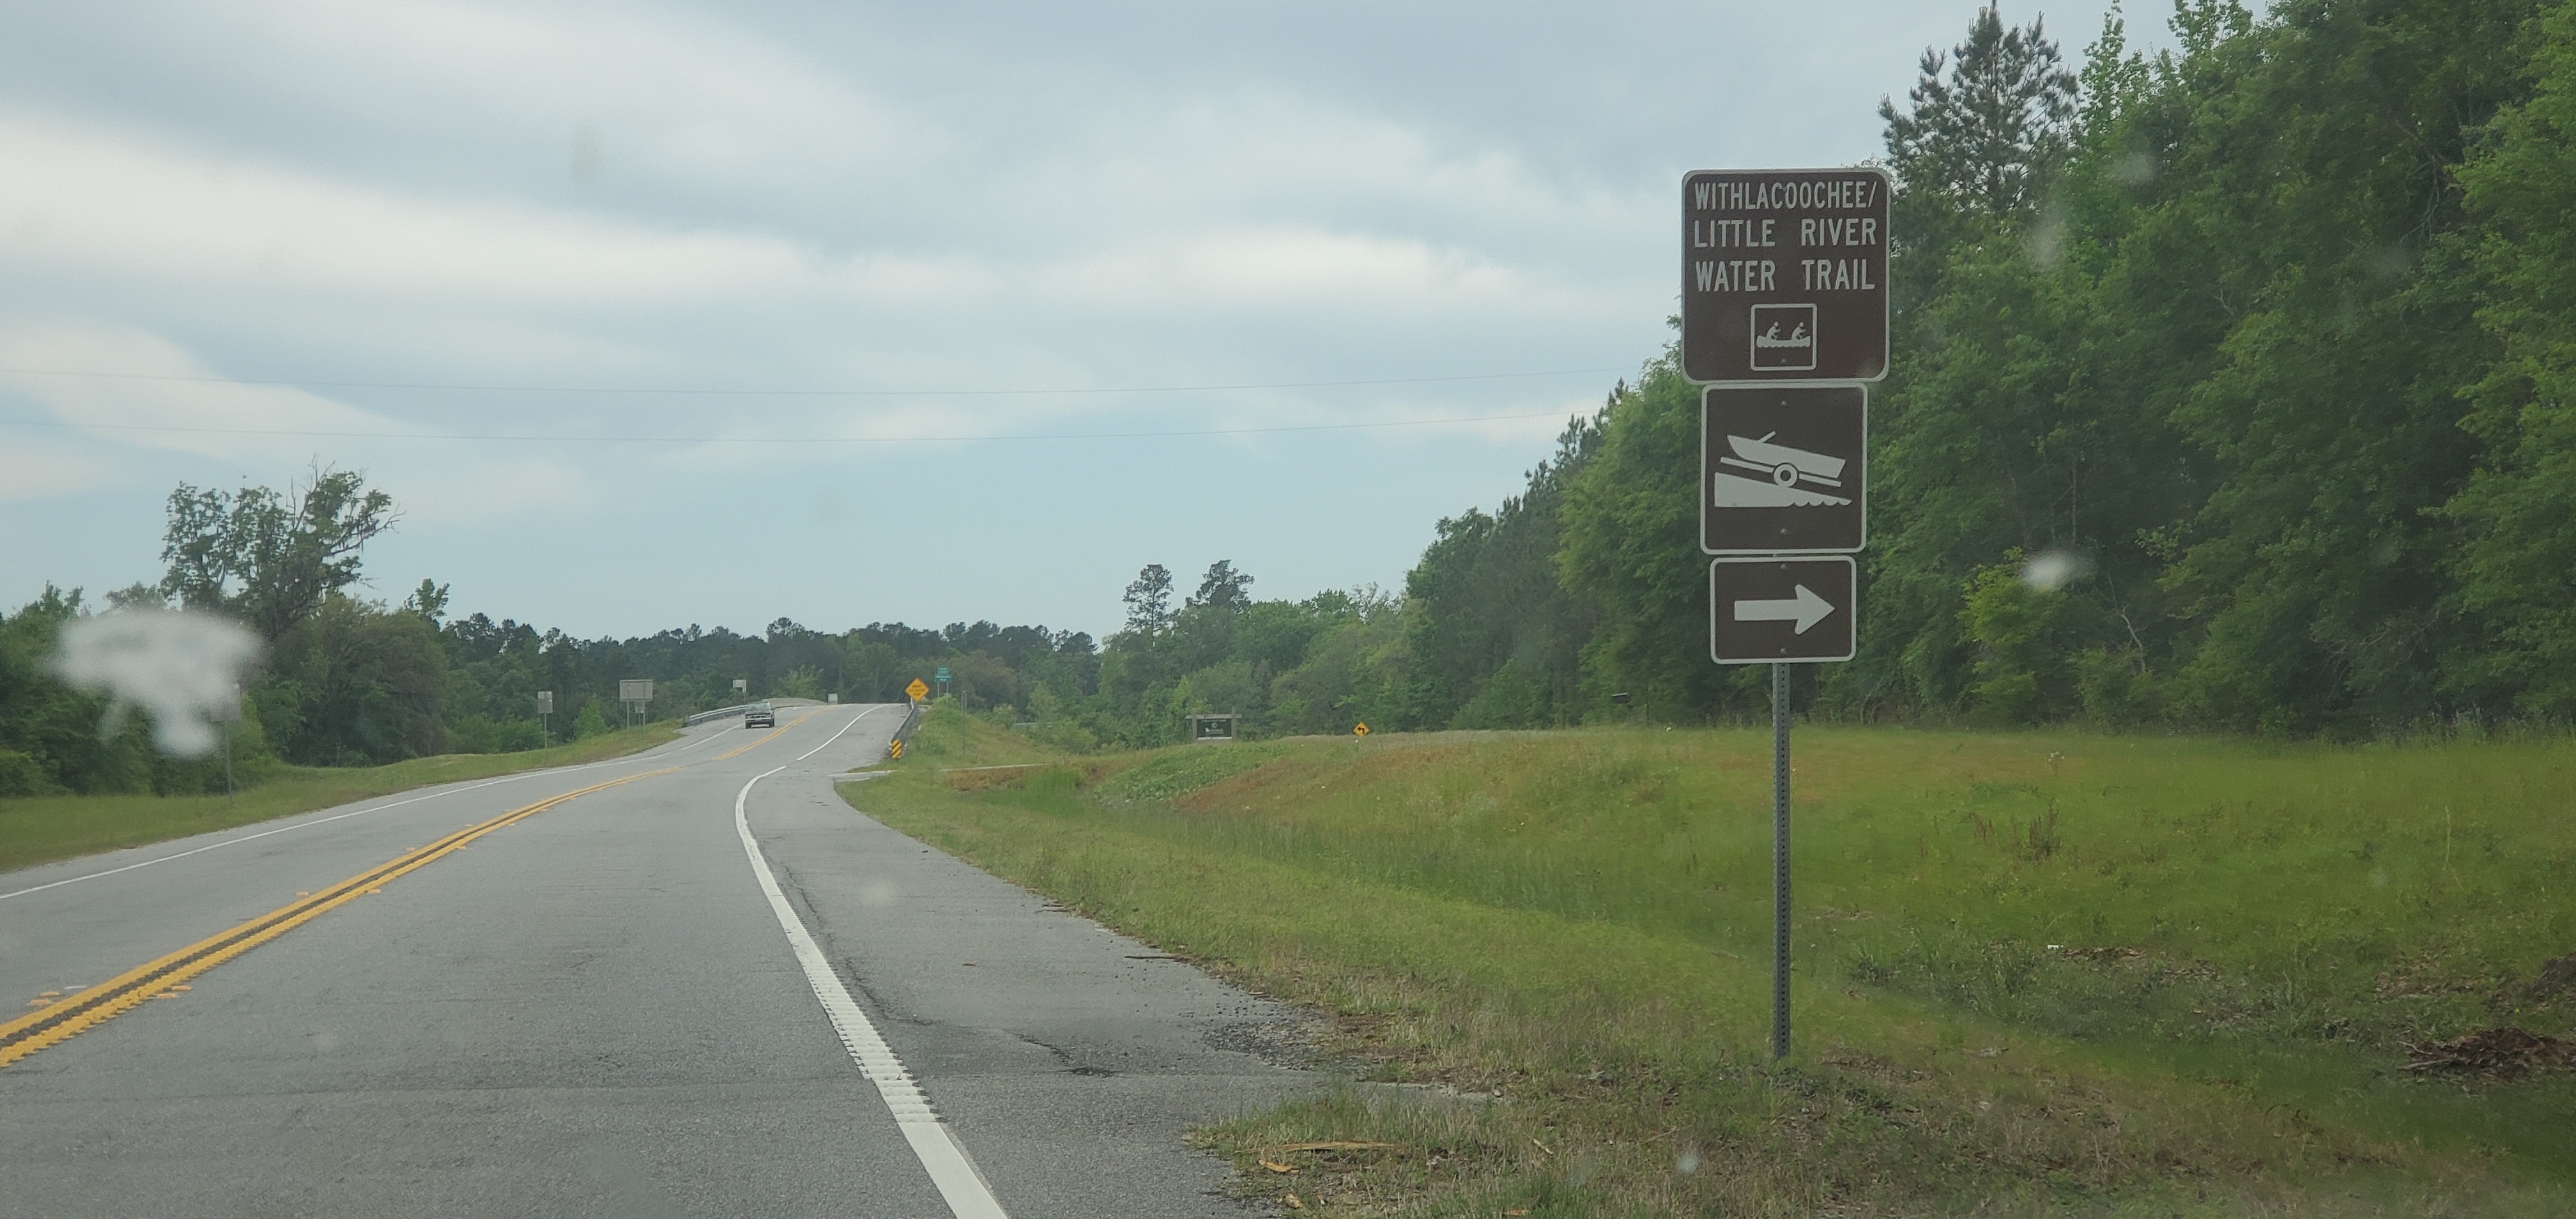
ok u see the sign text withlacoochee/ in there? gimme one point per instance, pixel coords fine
(1784, 275)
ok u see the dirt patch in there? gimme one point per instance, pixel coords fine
(2428, 977)
(1235, 792)
(1300, 1042)
(2496, 1053)
(995, 778)
(2556, 978)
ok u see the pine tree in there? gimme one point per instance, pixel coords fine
(1222, 588)
(1981, 138)
(1149, 600)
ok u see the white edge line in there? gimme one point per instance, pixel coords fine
(960, 1183)
(378, 808)
(854, 722)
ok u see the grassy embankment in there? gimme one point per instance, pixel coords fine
(41, 829)
(2040, 972)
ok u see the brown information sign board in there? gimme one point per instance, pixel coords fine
(1784, 274)
(1783, 469)
(1770, 611)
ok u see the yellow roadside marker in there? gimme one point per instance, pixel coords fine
(64, 1019)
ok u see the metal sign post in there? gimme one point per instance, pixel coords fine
(1784, 294)
(545, 717)
(1780, 860)
(225, 714)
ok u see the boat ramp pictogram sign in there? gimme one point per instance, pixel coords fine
(1783, 469)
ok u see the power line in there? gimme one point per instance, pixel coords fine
(798, 393)
(499, 436)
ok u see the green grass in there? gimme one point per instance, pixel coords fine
(42, 829)
(1579, 922)
(950, 737)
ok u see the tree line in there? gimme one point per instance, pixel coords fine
(2234, 388)
(346, 679)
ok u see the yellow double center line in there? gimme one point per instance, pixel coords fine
(764, 740)
(68, 1018)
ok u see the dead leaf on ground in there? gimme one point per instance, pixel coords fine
(1276, 1166)
(1294, 1202)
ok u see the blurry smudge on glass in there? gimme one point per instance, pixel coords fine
(183, 669)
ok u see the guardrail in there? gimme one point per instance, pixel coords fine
(717, 714)
(911, 720)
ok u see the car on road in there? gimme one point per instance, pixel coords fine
(759, 715)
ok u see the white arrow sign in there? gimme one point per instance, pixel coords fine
(1806, 609)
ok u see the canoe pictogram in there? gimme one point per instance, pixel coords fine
(1798, 337)
(1782, 477)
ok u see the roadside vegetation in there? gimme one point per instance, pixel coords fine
(42, 829)
(2039, 972)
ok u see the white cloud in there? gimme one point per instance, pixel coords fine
(466, 487)
(105, 202)
(171, 400)
(36, 468)
(188, 412)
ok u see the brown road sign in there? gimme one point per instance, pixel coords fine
(1766, 611)
(1782, 469)
(1784, 274)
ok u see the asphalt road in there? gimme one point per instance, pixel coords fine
(601, 1010)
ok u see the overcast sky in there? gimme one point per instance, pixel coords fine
(476, 251)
